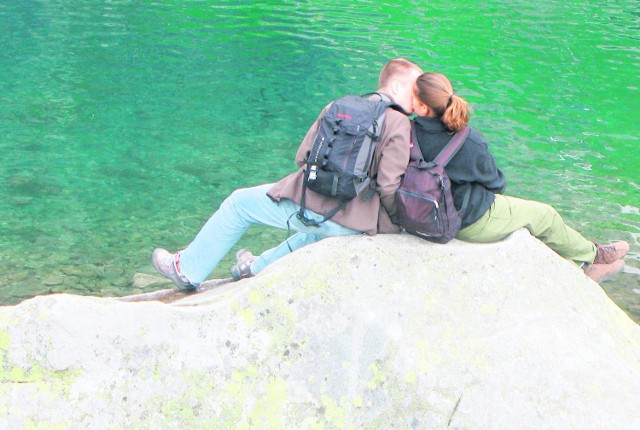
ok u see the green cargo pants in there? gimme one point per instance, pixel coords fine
(508, 214)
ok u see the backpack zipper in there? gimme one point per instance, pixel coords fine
(428, 199)
(421, 197)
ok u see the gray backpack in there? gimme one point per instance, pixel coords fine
(339, 161)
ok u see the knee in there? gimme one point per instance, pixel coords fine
(548, 214)
(551, 212)
(239, 197)
(236, 194)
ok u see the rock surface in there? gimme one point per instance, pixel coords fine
(388, 332)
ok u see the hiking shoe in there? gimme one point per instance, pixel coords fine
(165, 264)
(601, 272)
(242, 268)
(606, 254)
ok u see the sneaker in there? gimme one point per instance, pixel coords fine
(165, 264)
(606, 254)
(242, 268)
(601, 272)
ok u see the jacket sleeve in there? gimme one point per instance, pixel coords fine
(394, 157)
(483, 168)
(490, 176)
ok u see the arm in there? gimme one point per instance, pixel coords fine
(475, 164)
(489, 175)
(393, 161)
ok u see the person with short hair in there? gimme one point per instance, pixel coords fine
(276, 204)
(490, 216)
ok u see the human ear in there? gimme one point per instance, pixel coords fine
(420, 108)
(395, 86)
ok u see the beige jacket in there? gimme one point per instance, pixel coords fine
(389, 163)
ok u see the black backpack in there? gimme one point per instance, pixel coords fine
(425, 202)
(340, 158)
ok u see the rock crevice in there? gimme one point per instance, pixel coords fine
(358, 332)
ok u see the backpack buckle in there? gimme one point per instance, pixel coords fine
(306, 221)
(313, 172)
(373, 131)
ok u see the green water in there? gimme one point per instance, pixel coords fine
(124, 124)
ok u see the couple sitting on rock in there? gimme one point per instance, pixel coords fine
(490, 216)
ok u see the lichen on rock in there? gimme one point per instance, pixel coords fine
(355, 332)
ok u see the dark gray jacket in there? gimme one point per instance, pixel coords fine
(471, 168)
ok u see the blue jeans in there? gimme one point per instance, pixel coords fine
(240, 210)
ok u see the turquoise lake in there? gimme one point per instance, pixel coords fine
(123, 125)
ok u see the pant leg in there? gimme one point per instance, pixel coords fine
(304, 236)
(508, 214)
(294, 242)
(226, 226)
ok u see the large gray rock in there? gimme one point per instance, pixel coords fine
(378, 333)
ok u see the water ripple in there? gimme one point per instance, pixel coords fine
(127, 123)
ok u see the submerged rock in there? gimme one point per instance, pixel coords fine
(358, 332)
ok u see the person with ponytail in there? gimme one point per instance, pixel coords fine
(490, 216)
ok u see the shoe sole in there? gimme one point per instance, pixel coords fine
(181, 287)
(155, 263)
(611, 275)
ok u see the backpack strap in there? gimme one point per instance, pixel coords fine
(373, 133)
(375, 130)
(391, 104)
(415, 151)
(451, 149)
(302, 216)
(383, 97)
(447, 153)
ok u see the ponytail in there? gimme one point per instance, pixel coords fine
(435, 90)
(456, 115)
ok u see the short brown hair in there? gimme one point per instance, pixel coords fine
(398, 66)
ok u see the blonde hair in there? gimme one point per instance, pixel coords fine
(395, 67)
(435, 90)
